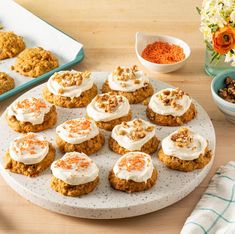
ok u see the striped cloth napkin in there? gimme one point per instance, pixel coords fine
(215, 212)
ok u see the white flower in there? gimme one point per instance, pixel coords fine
(228, 57)
(216, 14)
(232, 16)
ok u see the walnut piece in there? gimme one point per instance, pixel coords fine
(125, 74)
(170, 97)
(109, 102)
(68, 78)
(182, 138)
(138, 130)
(228, 92)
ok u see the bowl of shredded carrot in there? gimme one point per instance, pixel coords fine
(161, 53)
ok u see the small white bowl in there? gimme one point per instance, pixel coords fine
(142, 40)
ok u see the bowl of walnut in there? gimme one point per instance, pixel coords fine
(223, 93)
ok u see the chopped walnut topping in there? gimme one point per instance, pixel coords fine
(175, 105)
(137, 122)
(138, 131)
(182, 138)
(228, 92)
(109, 101)
(170, 97)
(125, 74)
(125, 125)
(122, 133)
(68, 78)
(137, 134)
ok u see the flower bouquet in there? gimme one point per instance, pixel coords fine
(218, 28)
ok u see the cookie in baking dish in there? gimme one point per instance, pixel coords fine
(34, 62)
(70, 89)
(109, 110)
(10, 44)
(130, 83)
(171, 107)
(75, 174)
(6, 82)
(29, 154)
(80, 135)
(133, 172)
(185, 150)
(135, 135)
(31, 115)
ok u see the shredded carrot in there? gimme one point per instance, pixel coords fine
(29, 143)
(78, 126)
(136, 162)
(163, 53)
(78, 162)
(33, 104)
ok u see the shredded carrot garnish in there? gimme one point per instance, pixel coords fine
(135, 162)
(33, 104)
(29, 143)
(163, 53)
(62, 164)
(73, 161)
(78, 126)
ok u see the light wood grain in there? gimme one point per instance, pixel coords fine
(107, 30)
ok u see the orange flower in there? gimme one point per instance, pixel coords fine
(224, 40)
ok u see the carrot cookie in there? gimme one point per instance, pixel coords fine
(70, 89)
(171, 107)
(109, 110)
(130, 83)
(185, 150)
(6, 83)
(31, 115)
(29, 154)
(133, 172)
(135, 135)
(10, 45)
(81, 135)
(74, 174)
(35, 62)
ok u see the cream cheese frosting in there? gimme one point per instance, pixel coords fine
(184, 144)
(75, 168)
(170, 102)
(127, 79)
(108, 106)
(134, 134)
(30, 110)
(70, 83)
(76, 131)
(136, 166)
(29, 149)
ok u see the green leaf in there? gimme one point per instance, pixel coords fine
(215, 55)
(198, 10)
(213, 27)
(209, 46)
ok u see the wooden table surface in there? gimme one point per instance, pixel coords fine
(107, 29)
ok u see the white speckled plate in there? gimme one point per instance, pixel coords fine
(104, 202)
